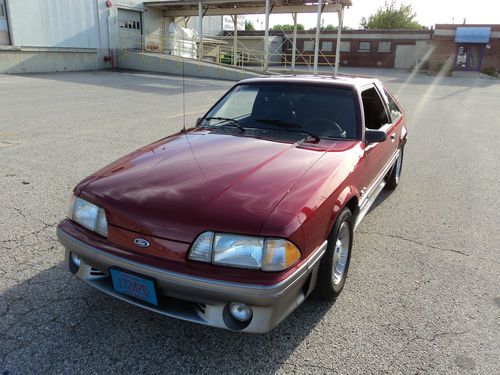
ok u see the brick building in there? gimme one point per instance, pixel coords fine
(465, 47)
(367, 48)
(359, 48)
(450, 47)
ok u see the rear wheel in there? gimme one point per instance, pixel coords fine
(335, 263)
(394, 177)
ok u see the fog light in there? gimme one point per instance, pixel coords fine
(74, 262)
(75, 259)
(240, 311)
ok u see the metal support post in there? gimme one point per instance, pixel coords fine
(294, 42)
(235, 39)
(339, 38)
(266, 38)
(200, 30)
(316, 40)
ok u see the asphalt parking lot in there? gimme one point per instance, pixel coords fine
(423, 290)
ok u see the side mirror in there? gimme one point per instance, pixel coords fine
(198, 120)
(374, 136)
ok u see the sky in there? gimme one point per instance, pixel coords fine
(429, 13)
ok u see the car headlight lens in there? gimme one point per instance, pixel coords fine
(88, 215)
(267, 254)
(238, 251)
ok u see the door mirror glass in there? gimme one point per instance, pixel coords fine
(374, 136)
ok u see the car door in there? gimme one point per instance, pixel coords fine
(377, 155)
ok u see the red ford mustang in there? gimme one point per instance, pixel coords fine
(233, 223)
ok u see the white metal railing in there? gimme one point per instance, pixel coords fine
(220, 54)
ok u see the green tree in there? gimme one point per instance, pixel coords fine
(287, 27)
(249, 26)
(329, 27)
(391, 17)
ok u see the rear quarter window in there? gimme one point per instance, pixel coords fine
(394, 109)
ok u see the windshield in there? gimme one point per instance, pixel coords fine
(317, 111)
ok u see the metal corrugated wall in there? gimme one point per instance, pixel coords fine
(4, 25)
(54, 23)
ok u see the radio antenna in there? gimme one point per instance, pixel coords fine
(184, 120)
(183, 98)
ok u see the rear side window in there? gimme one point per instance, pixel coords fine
(374, 110)
(393, 107)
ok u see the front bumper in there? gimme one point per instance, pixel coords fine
(196, 299)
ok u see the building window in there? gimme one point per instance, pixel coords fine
(327, 46)
(127, 24)
(2, 11)
(345, 46)
(384, 46)
(364, 47)
(308, 45)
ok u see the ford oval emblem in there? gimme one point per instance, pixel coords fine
(141, 242)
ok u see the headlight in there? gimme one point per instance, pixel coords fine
(267, 254)
(238, 251)
(88, 215)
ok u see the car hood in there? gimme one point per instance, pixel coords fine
(188, 183)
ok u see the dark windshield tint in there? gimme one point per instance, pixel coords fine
(325, 111)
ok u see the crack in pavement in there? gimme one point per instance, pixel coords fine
(408, 341)
(417, 242)
(24, 237)
(435, 336)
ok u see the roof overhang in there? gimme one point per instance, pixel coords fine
(188, 8)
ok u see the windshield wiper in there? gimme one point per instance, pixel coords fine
(288, 124)
(231, 121)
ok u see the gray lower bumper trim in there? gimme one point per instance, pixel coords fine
(271, 303)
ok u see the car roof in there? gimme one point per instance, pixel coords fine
(340, 80)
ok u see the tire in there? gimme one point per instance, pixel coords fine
(395, 176)
(330, 280)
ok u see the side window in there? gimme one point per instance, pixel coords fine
(308, 45)
(326, 46)
(384, 46)
(393, 107)
(364, 47)
(374, 110)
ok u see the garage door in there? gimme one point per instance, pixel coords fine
(4, 26)
(130, 28)
(405, 56)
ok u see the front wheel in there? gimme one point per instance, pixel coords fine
(395, 176)
(335, 263)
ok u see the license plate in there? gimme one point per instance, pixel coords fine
(135, 286)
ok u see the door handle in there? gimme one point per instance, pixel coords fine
(393, 138)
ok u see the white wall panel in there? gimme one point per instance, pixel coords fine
(55, 23)
(4, 26)
(212, 25)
